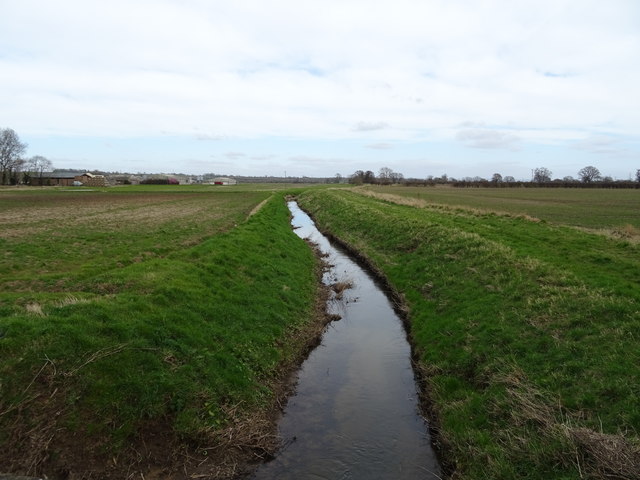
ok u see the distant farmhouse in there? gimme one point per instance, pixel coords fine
(223, 181)
(69, 179)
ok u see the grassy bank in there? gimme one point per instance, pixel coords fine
(140, 324)
(527, 334)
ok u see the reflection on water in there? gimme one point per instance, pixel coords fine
(354, 414)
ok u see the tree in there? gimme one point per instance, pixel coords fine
(497, 178)
(542, 175)
(37, 165)
(357, 177)
(589, 174)
(11, 149)
(509, 179)
(360, 177)
(369, 177)
(385, 174)
(638, 175)
(397, 177)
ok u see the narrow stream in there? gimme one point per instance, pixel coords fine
(355, 411)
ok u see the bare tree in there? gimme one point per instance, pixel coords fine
(15, 172)
(384, 175)
(385, 172)
(541, 175)
(387, 175)
(11, 149)
(360, 177)
(496, 178)
(638, 175)
(397, 177)
(37, 165)
(357, 177)
(589, 174)
(369, 177)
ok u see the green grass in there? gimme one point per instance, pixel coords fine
(590, 208)
(128, 307)
(527, 332)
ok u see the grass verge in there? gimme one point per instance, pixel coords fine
(526, 334)
(128, 362)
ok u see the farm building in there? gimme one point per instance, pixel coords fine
(91, 180)
(224, 181)
(69, 179)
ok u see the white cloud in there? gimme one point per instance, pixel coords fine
(483, 138)
(600, 144)
(234, 155)
(380, 146)
(369, 126)
(552, 71)
(209, 137)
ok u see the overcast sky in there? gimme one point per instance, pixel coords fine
(315, 88)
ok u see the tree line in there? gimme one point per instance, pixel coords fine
(386, 176)
(588, 176)
(14, 168)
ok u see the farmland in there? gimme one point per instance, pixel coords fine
(588, 208)
(138, 321)
(146, 319)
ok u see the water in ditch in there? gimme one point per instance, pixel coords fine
(355, 411)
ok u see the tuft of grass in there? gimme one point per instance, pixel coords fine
(526, 333)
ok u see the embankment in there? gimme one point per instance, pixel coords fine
(164, 367)
(526, 334)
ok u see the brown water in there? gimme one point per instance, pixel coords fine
(355, 411)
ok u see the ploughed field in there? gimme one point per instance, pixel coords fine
(527, 332)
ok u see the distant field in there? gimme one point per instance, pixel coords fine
(589, 208)
(64, 235)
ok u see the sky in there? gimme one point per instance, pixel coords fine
(318, 88)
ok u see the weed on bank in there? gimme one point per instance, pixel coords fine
(526, 333)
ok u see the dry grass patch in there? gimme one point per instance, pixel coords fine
(596, 455)
(35, 309)
(257, 208)
(340, 287)
(457, 209)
